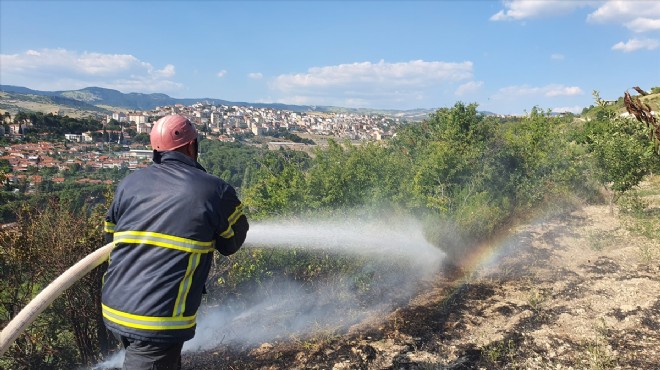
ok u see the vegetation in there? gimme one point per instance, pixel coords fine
(622, 151)
(46, 241)
(54, 126)
(287, 135)
(475, 173)
(229, 161)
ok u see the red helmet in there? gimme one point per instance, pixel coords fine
(171, 132)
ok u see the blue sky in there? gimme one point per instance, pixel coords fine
(507, 56)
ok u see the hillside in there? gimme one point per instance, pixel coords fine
(573, 291)
(652, 99)
(14, 102)
(95, 100)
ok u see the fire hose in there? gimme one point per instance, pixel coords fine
(39, 303)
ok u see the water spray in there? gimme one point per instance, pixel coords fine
(396, 255)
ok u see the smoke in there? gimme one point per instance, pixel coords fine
(397, 258)
(115, 361)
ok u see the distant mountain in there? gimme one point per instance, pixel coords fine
(98, 96)
(100, 99)
(24, 99)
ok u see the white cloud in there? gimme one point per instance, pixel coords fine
(256, 75)
(468, 88)
(560, 90)
(414, 73)
(576, 109)
(166, 72)
(365, 83)
(557, 56)
(549, 91)
(643, 24)
(523, 9)
(222, 73)
(57, 69)
(636, 44)
(638, 16)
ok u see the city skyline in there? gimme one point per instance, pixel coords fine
(506, 56)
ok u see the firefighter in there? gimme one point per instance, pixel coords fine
(165, 221)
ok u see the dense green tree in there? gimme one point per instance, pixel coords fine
(48, 171)
(5, 169)
(5, 166)
(218, 158)
(621, 150)
(51, 127)
(623, 155)
(141, 139)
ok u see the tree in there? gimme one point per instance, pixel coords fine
(141, 138)
(621, 151)
(47, 240)
(622, 156)
(48, 171)
(5, 168)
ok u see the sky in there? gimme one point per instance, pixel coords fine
(506, 56)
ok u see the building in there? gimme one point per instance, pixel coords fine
(120, 117)
(73, 137)
(87, 137)
(143, 128)
(16, 129)
(139, 154)
(137, 118)
(258, 130)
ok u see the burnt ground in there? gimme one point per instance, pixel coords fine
(576, 291)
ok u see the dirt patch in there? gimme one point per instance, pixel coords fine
(573, 292)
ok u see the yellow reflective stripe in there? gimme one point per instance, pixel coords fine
(147, 322)
(238, 212)
(227, 233)
(163, 240)
(186, 283)
(108, 227)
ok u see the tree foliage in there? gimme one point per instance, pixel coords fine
(622, 151)
(229, 161)
(55, 125)
(474, 170)
(45, 242)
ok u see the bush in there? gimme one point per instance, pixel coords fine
(46, 241)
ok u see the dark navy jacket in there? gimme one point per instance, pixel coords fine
(166, 220)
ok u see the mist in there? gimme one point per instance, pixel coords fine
(398, 258)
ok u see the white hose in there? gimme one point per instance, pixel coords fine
(48, 295)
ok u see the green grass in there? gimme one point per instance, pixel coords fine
(640, 211)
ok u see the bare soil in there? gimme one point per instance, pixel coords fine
(577, 291)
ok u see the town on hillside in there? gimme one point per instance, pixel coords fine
(122, 142)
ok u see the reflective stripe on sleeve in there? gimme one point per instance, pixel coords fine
(238, 212)
(108, 227)
(163, 240)
(147, 322)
